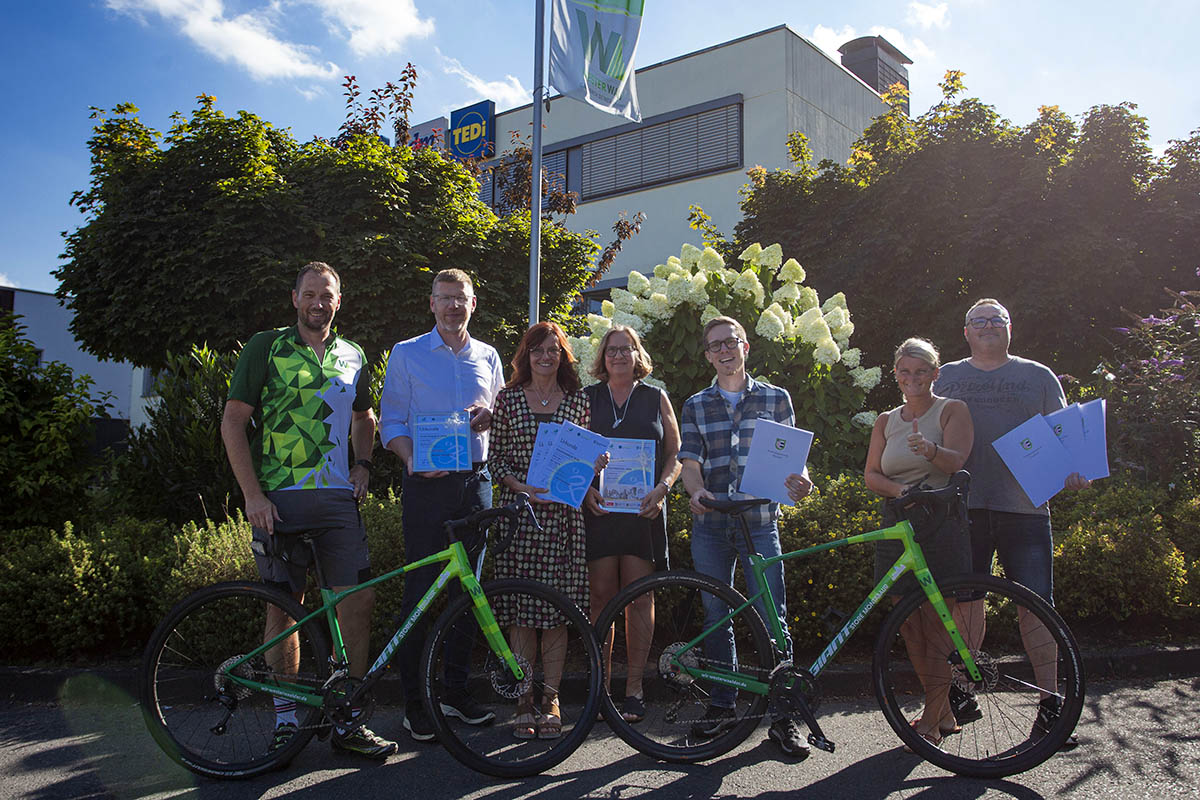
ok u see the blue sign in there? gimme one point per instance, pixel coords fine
(472, 131)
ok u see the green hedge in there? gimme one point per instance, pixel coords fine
(1124, 554)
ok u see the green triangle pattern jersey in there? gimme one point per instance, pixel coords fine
(302, 408)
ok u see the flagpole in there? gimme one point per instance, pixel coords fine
(535, 194)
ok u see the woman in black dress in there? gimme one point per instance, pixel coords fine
(622, 547)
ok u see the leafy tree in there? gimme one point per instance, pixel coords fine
(198, 241)
(1065, 223)
(47, 416)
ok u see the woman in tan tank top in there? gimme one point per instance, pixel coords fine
(923, 441)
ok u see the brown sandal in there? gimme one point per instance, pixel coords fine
(525, 724)
(550, 724)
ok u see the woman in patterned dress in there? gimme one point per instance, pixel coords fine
(544, 388)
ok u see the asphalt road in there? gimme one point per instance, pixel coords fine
(1140, 739)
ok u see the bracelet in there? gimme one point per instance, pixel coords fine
(935, 452)
(665, 485)
(363, 462)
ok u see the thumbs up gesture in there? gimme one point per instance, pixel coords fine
(918, 444)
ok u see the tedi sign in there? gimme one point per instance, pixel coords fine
(472, 131)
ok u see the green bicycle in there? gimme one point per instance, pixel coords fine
(209, 675)
(994, 651)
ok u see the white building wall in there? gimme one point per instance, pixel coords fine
(47, 325)
(786, 84)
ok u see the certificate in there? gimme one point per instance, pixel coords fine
(629, 475)
(1095, 441)
(566, 465)
(775, 452)
(1067, 424)
(1036, 458)
(442, 442)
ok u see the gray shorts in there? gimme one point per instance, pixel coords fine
(284, 560)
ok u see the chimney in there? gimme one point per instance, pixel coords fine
(877, 62)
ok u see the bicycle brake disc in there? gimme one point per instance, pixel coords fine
(989, 670)
(503, 682)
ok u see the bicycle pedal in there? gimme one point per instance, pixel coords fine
(821, 743)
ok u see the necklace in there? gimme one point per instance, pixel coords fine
(617, 420)
(545, 401)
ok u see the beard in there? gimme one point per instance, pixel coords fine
(317, 320)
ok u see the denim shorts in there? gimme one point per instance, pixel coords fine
(1021, 542)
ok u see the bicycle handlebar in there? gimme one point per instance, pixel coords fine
(926, 509)
(483, 519)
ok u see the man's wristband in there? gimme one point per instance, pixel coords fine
(364, 462)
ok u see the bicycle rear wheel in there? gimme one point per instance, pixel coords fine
(644, 631)
(1026, 653)
(197, 715)
(564, 660)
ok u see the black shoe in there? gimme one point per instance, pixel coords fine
(284, 732)
(786, 733)
(417, 723)
(715, 720)
(964, 706)
(1049, 710)
(363, 743)
(462, 705)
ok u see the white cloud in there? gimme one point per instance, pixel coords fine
(7, 281)
(830, 40)
(247, 40)
(375, 27)
(911, 46)
(926, 16)
(311, 93)
(507, 93)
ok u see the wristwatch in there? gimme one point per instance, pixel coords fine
(365, 462)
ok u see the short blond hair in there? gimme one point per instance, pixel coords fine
(916, 347)
(642, 365)
(715, 321)
(453, 276)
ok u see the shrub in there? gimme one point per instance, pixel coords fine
(796, 342)
(45, 435)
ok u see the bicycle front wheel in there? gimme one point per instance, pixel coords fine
(198, 715)
(645, 632)
(1032, 688)
(475, 701)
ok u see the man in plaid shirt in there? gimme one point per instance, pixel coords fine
(717, 428)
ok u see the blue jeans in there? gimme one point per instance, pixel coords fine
(1023, 544)
(717, 544)
(428, 503)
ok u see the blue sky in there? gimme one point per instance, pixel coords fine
(284, 60)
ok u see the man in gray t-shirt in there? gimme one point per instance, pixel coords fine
(1002, 391)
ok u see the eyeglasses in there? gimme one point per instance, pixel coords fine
(618, 350)
(731, 343)
(452, 299)
(540, 352)
(979, 323)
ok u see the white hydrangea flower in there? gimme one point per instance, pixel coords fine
(836, 317)
(864, 418)
(659, 307)
(808, 298)
(811, 326)
(747, 285)
(710, 312)
(678, 288)
(771, 257)
(673, 262)
(770, 326)
(657, 284)
(650, 380)
(751, 253)
(631, 320)
(826, 351)
(780, 312)
(623, 301)
(710, 259)
(638, 284)
(607, 307)
(852, 357)
(788, 293)
(792, 271)
(598, 324)
(842, 335)
(837, 301)
(866, 379)
(689, 254)
(585, 352)
(698, 289)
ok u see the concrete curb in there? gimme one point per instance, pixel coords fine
(48, 684)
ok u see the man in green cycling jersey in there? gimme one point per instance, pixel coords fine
(306, 390)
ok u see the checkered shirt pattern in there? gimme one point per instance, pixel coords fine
(719, 438)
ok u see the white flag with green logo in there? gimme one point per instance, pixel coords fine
(592, 43)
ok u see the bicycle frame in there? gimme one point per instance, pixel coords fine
(457, 567)
(911, 559)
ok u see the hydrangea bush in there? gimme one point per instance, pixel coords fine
(796, 341)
